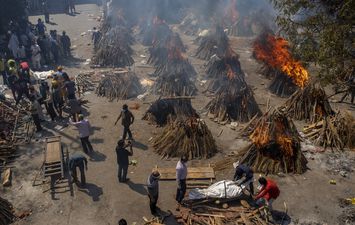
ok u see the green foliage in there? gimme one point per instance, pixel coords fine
(321, 32)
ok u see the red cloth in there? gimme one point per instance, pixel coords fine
(270, 190)
(24, 65)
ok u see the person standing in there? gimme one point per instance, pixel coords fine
(96, 35)
(181, 174)
(268, 193)
(36, 56)
(69, 87)
(45, 10)
(34, 113)
(75, 108)
(13, 44)
(72, 7)
(78, 160)
(49, 104)
(244, 175)
(57, 96)
(127, 120)
(83, 126)
(41, 28)
(153, 190)
(66, 44)
(123, 159)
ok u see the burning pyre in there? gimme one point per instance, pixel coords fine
(234, 99)
(119, 85)
(167, 110)
(310, 104)
(190, 137)
(288, 73)
(155, 32)
(276, 146)
(216, 43)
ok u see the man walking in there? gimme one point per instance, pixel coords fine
(181, 174)
(153, 190)
(84, 132)
(78, 160)
(244, 175)
(122, 159)
(127, 120)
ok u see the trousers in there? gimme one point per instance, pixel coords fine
(82, 173)
(122, 172)
(181, 190)
(87, 147)
(126, 130)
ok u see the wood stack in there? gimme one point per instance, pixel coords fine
(276, 146)
(168, 109)
(234, 99)
(217, 43)
(84, 82)
(7, 215)
(210, 215)
(336, 131)
(310, 104)
(114, 48)
(119, 85)
(157, 31)
(191, 138)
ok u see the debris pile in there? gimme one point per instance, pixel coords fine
(310, 104)
(119, 85)
(216, 43)
(335, 131)
(276, 146)
(287, 73)
(169, 109)
(7, 214)
(190, 137)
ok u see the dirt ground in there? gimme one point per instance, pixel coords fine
(310, 198)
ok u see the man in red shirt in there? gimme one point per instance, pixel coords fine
(268, 193)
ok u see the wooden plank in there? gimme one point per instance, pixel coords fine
(53, 150)
(192, 173)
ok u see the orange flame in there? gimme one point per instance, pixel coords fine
(277, 55)
(230, 72)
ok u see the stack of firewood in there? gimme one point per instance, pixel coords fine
(119, 85)
(216, 43)
(190, 137)
(310, 104)
(335, 131)
(276, 146)
(7, 215)
(157, 31)
(168, 109)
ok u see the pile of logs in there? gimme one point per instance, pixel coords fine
(216, 43)
(310, 104)
(114, 48)
(158, 31)
(282, 85)
(336, 131)
(276, 146)
(191, 138)
(7, 214)
(210, 215)
(119, 85)
(169, 109)
(84, 82)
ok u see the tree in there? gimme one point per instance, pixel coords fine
(321, 32)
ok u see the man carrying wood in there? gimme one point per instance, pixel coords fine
(78, 160)
(153, 190)
(127, 120)
(122, 159)
(244, 175)
(268, 193)
(181, 174)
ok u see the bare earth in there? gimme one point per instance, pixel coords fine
(309, 197)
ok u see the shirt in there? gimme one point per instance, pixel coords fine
(76, 159)
(153, 186)
(247, 171)
(269, 191)
(127, 117)
(181, 171)
(83, 127)
(122, 156)
(70, 86)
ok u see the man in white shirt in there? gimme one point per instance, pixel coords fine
(84, 132)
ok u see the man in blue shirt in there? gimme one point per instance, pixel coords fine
(243, 175)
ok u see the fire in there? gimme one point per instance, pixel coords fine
(230, 72)
(275, 53)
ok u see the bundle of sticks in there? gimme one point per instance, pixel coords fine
(310, 104)
(276, 145)
(84, 82)
(190, 137)
(119, 85)
(335, 131)
(7, 214)
(210, 215)
(114, 48)
(216, 43)
(168, 109)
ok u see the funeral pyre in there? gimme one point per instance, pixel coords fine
(175, 77)
(119, 84)
(155, 31)
(234, 99)
(334, 131)
(7, 213)
(276, 146)
(167, 110)
(215, 43)
(190, 137)
(310, 104)
(287, 73)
